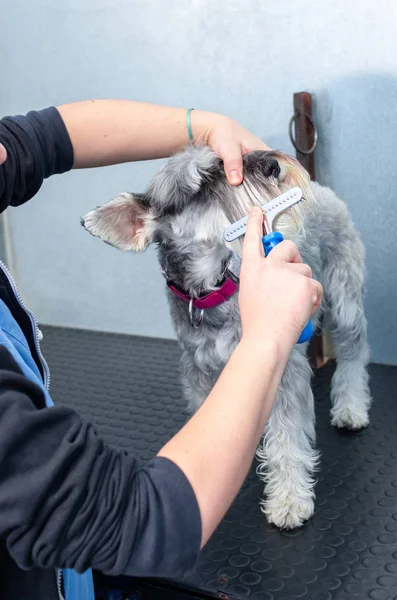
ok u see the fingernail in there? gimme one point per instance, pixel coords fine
(234, 177)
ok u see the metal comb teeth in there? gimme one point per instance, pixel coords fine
(272, 209)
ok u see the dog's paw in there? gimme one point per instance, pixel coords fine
(349, 418)
(288, 513)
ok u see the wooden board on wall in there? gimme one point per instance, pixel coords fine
(303, 136)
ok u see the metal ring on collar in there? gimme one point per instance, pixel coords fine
(195, 322)
(291, 136)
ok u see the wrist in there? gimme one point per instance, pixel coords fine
(203, 125)
(270, 349)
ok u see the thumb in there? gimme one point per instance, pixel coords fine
(252, 247)
(3, 154)
(231, 155)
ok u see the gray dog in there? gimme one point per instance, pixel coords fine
(185, 211)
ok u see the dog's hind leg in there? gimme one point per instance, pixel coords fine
(345, 319)
(288, 458)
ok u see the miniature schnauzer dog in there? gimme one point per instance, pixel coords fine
(185, 211)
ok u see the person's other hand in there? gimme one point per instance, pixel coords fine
(3, 154)
(228, 139)
(277, 294)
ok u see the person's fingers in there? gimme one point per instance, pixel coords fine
(317, 295)
(245, 148)
(232, 157)
(252, 247)
(301, 268)
(286, 251)
(3, 154)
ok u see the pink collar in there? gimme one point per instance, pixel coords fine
(211, 299)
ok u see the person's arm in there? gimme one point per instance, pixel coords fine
(32, 148)
(215, 449)
(105, 132)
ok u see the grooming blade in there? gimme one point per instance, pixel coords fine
(271, 209)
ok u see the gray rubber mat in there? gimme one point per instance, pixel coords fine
(129, 388)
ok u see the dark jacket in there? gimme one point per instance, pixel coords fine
(68, 500)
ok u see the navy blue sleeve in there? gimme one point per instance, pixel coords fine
(69, 500)
(38, 146)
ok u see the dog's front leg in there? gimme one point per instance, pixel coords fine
(287, 456)
(197, 379)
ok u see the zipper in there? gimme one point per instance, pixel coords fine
(59, 584)
(37, 335)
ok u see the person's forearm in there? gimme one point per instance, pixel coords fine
(216, 447)
(105, 132)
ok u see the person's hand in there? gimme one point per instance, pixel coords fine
(277, 294)
(228, 139)
(3, 154)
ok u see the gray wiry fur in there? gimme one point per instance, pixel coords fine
(185, 211)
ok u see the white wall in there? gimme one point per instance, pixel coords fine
(245, 59)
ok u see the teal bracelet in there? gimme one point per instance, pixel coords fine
(188, 123)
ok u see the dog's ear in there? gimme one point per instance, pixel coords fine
(181, 177)
(126, 222)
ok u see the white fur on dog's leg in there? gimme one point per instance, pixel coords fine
(289, 500)
(196, 383)
(287, 456)
(350, 415)
(345, 320)
(288, 512)
(350, 394)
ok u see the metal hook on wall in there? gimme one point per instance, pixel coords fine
(292, 137)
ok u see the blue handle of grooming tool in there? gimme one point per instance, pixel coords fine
(269, 242)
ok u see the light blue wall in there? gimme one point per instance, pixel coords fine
(245, 59)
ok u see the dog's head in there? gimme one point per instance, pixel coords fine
(187, 207)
